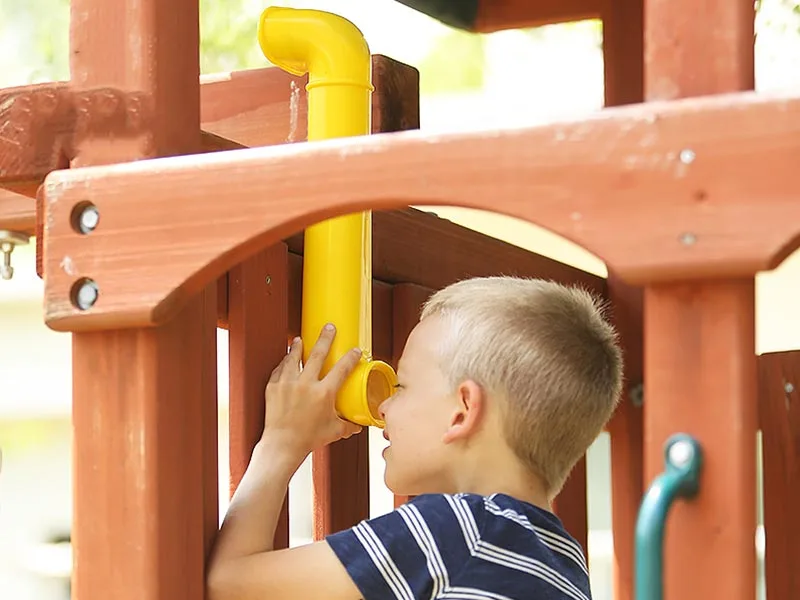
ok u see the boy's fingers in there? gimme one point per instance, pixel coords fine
(319, 352)
(343, 367)
(292, 359)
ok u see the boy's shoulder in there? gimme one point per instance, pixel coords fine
(473, 544)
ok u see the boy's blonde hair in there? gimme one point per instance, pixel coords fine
(544, 348)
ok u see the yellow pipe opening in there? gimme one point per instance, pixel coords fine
(337, 266)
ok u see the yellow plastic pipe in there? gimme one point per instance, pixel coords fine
(337, 266)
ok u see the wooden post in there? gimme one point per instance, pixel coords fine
(700, 367)
(623, 59)
(779, 416)
(258, 326)
(701, 379)
(144, 400)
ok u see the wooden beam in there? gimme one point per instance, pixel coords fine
(145, 477)
(403, 239)
(258, 312)
(44, 123)
(779, 417)
(497, 15)
(701, 379)
(623, 60)
(700, 366)
(146, 265)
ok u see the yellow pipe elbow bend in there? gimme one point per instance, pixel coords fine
(337, 269)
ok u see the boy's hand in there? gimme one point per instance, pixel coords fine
(300, 413)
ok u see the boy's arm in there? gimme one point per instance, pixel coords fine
(244, 564)
(300, 416)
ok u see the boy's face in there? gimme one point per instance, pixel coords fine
(417, 416)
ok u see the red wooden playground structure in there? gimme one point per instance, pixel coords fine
(686, 192)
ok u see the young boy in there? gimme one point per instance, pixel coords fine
(503, 385)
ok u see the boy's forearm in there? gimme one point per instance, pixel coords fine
(251, 520)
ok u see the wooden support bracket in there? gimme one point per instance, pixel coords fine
(678, 179)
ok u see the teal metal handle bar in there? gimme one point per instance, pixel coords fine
(683, 459)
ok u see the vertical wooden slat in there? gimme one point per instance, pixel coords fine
(701, 379)
(626, 432)
(700, 368)
(571, 505)
(258, 325)
(341, 471)
(407, 301)
(779, 416)
(144, 400)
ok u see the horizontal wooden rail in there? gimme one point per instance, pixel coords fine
(41, 125)
(658, 190)
(497, 15)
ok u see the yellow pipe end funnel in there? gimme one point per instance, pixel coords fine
(337, 267)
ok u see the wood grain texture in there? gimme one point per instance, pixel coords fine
(779, 417)
(144, 401)
(692, 225)
(497, 15)
(623, 61)
(700, 368)
(258, 311)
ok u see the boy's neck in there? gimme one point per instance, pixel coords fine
(499, 472)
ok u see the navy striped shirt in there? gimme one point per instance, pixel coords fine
(464, 547)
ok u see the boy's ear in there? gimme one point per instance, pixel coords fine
(467, 413)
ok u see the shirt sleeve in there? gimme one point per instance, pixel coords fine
(412, 552)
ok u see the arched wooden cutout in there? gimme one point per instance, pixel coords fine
(680, 190)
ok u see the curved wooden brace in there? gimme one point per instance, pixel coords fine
(698, 188)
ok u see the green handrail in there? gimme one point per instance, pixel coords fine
(683, 460)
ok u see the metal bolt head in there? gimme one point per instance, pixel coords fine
(687, 156)
(680, 453)
(788, 387)
(86, 294)
(688, 239)
(88, 219)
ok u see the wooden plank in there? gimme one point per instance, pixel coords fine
(779, 417)
(42, 124)
(626, 431)
(623, 59)
(17, 212)
(700, 369)
(144, 509)
(571, 505)
(497, 15)
(404, 239)
(261, 107)
(700, 373)
(684, 230)
(407, 302)
(145, 474)
(258, 311)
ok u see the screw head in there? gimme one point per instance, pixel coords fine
(88, 219)
(84, 294)
(688, 239)
(687, 156)
(788, 387)
(680, 453)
